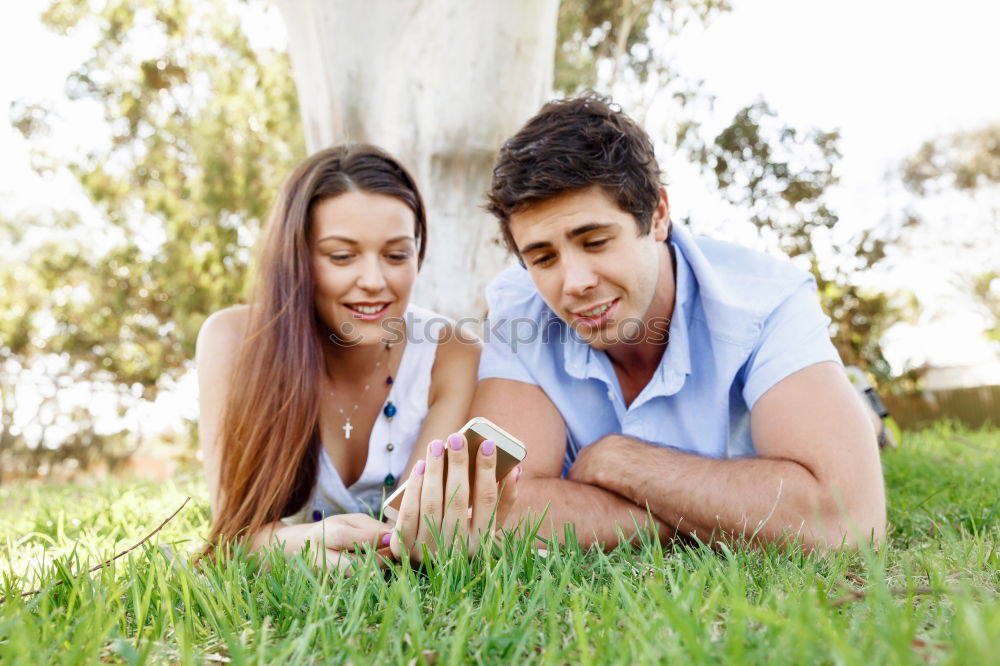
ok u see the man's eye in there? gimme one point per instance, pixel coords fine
(596, 243)
(543, 260)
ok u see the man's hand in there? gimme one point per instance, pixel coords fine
(594, 462)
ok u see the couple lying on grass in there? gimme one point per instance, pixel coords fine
(653, 376)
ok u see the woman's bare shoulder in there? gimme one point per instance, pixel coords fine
(223, 331)
(457, 357)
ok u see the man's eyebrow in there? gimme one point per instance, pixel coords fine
(535, 246)
(571, 234)
(587, 228)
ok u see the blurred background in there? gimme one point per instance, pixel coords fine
(144, 141)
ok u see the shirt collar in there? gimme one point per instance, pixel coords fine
(675, 365)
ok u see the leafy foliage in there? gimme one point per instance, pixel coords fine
(620, 34)
(778, 174)
(986, 288)
(202, 125)
(781, 176)
(202, 128)
(967, 162)
(962, 160)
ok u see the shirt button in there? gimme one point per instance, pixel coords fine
(611, 395)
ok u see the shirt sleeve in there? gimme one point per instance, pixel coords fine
(794, 336)
(502, 337)
(499, 361)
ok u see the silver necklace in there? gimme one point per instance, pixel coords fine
(347, 427)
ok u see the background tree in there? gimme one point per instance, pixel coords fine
(440, 85)
(782, 175)
(777, 175)
(203, 123)
(202, 127)
(967, 163)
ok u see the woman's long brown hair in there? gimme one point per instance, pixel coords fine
(269, 437)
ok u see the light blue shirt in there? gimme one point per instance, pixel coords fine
(742, 322)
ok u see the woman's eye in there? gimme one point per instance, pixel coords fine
(399, 256)
(543, 260)
(340, 257)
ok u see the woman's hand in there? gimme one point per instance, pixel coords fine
(432, 505)
(333, 541)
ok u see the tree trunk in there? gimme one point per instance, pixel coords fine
(440, 84)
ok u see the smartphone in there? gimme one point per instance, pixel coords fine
(510, 451)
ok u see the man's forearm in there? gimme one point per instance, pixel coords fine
(598, 516)
(768, 499)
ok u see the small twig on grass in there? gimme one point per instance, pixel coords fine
(968, 442)
(108, 562)
(858, 595)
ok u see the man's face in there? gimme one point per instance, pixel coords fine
(591, 266)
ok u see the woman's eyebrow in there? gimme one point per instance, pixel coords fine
(343, 239)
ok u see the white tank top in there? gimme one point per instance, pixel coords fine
(408, 394)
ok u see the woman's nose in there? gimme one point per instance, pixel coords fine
(371, 277)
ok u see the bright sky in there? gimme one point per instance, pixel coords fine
(888, 73)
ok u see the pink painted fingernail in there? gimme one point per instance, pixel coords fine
(437, 448)
(418, 469)
(488, 447)
(456, 442)
(519, 473)
(386, 538)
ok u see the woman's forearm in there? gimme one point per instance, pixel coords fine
(292, 537)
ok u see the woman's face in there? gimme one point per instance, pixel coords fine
(364, 256)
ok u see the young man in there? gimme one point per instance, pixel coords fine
(649, 372)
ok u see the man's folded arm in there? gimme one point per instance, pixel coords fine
(816, 476)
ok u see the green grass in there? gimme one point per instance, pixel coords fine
(930, 596)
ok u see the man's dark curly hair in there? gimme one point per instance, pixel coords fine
(569, 145)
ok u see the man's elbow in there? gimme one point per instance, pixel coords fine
(853, 535)
(852, 526)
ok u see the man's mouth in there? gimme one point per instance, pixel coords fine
(596, 315)
(367, 311)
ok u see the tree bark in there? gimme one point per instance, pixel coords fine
(439, 84)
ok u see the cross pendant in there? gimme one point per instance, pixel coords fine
(348, 428)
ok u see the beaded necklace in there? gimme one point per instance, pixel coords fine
(389, 410)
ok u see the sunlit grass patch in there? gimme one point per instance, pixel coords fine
(929, 595)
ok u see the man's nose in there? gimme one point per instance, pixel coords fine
(578, 276)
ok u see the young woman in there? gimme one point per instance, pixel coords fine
(314, 395)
